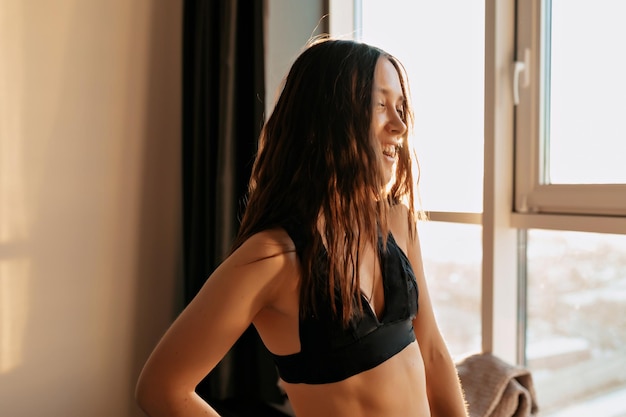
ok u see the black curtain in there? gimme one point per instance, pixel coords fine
(223, 105)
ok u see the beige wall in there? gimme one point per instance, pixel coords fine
(89, 199)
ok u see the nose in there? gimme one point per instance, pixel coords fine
(396, 125)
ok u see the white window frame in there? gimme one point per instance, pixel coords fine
(502, 328)
(532, 196)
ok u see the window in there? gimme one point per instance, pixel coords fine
(568, 88)
(571, 107)
(520, 138)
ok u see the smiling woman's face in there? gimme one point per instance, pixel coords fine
(387, 126)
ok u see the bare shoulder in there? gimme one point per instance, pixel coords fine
(264, 245)
(399, 225)
(248, 281)
(266, 260)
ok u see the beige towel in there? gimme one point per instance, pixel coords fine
(494, 388)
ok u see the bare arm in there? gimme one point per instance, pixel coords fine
(199, 338)
(445, 395)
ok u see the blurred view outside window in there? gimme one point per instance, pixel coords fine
(576, 330)
(452, 262)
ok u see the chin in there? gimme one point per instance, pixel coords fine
(390, 175)
(389, 182)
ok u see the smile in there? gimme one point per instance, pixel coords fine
(391, 151)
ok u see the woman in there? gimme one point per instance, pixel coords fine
(327, 262)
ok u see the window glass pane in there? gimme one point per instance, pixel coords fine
(585, 92)
(452, 262)
(444, 56)
(576, 334)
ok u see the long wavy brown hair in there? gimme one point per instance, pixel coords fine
(319, 165)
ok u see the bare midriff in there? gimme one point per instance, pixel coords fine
(395, 388)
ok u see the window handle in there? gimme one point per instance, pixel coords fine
(521, 69)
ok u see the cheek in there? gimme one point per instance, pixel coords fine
(376, 125)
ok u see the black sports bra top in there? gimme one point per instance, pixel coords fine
(330, 352)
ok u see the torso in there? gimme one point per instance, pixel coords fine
(396, 387)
